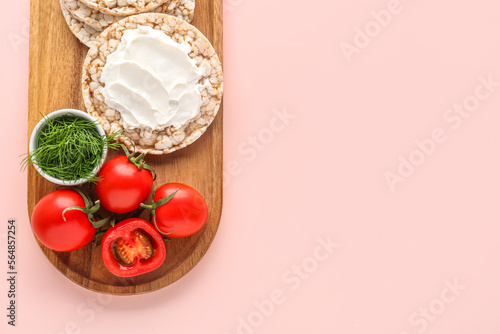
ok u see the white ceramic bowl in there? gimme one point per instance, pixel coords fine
(56, 114)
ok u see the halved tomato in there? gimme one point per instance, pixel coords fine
(132, 247)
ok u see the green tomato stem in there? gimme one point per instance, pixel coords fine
(156, 205)
(101, 223)
(138, 161)
(89, 209)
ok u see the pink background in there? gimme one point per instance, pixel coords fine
(313, 237)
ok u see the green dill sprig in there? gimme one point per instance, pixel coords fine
(69, 148)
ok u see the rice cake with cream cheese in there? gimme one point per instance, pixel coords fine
(201, 53)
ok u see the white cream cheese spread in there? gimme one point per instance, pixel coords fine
(152, 81)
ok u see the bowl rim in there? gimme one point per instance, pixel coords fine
(56, 114)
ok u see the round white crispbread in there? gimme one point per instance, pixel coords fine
(123, 7)
(183, 9)
(82, 31)
(170, 139)
(87, 28)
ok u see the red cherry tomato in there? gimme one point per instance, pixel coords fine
(122, 186)
(50, 227)
(182, 216)
(132, 247)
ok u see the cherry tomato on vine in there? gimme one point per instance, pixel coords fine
(132, 247)
(178, 210)
(124, 183)
(63, 220)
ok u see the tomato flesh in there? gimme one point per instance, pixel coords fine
(137, 247)
(132, 247)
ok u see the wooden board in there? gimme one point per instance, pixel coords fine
(56, 58)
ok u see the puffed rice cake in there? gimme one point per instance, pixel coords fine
(123, 7)
(170, 139)
(82, 31)
(86, 24)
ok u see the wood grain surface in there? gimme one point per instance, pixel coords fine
(56, 58)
